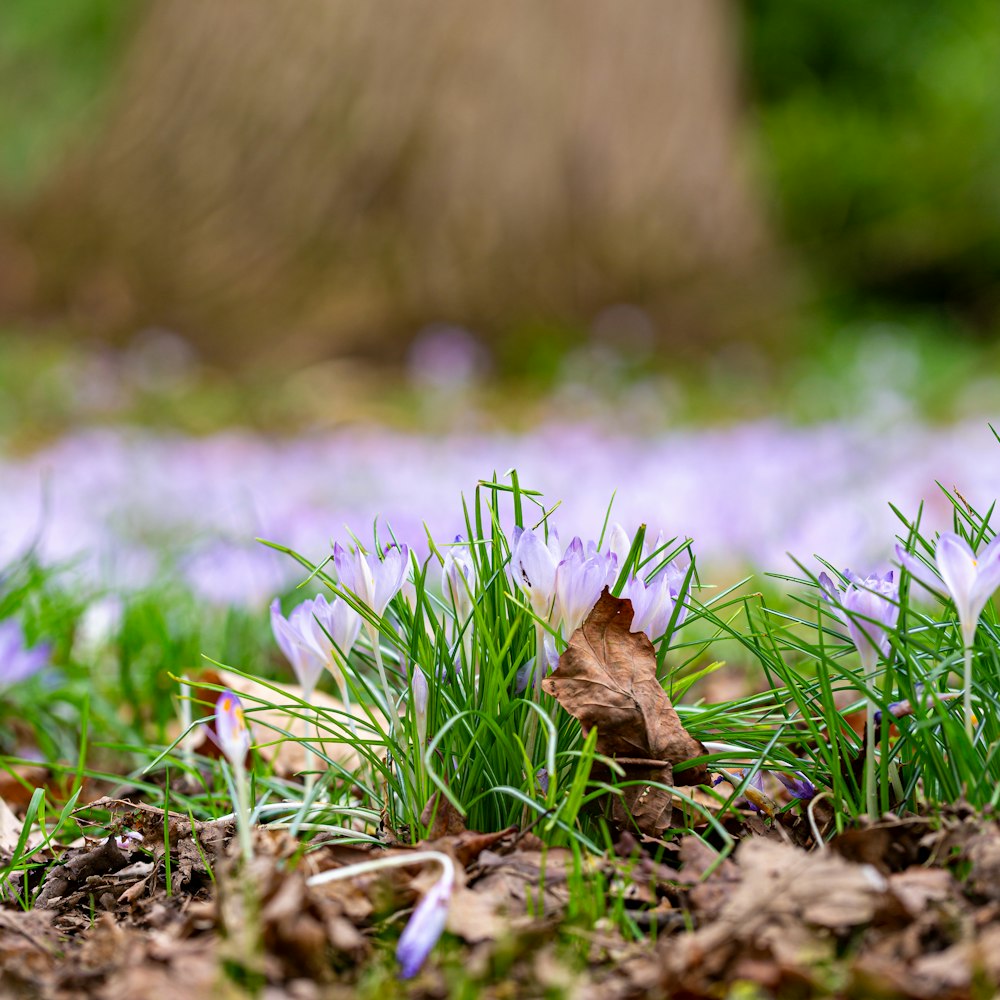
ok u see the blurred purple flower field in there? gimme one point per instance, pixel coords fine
(124, 505)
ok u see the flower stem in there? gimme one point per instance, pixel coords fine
(243, 808)
(531, 737)
(871, 798)
(967, 694)
(308, 757)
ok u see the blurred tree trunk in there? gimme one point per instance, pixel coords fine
(299, 179)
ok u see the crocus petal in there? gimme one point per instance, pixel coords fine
(619, 544)
(297, 638)
(231, 727)
(458, 574)
(798, 785)
(344, 626)
(388, 576)
(832, 596)
(578, 584)
(920, 572)
(956, 563)
(425, 927)
(533, 570)
(987, 578)
(346, 566)
(17, 661)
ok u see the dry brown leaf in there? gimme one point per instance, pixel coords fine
(441, 818)
(607, 679)
(290, 756)
(10, 829)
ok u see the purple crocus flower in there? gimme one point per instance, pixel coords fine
(425, 926)
(797, 784)
(869, 607)
(375, 582)
(653, 602)
(580, 577)
(17, 661)
(231, 728)
(304, 637)
(968, 579)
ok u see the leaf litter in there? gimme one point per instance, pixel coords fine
(162, 906)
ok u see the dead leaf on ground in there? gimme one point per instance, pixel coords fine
(441, 818)
(607, 679)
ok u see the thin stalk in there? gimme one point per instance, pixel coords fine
(531, 736)
(871, 798)
(967, 693)
(242, 808)
(308, 757)
(187, 754)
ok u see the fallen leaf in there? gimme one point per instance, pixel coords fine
(607, 679)
(441, 818)
(10, 829)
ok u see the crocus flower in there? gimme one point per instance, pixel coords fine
(969, 580)
(425, 926)
(295, 635)
(619, 544)
(234, 740)
(421, 694)
(305, 637)
(231, 728)
(653, 602)
(532, 568)
(797, 784)
(375, 582)
(869, 608)
(458, 578)
(128, 840)
(580, 578)
(17, 661)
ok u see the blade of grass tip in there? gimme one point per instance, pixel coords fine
(515, 483)
(34, 805)
(607, 518)
(631, 562)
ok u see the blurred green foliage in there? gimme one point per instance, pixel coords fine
(55, 58)
(880, 126)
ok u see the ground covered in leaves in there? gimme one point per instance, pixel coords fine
(908, 907)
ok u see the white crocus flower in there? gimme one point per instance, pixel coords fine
(969, 580)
